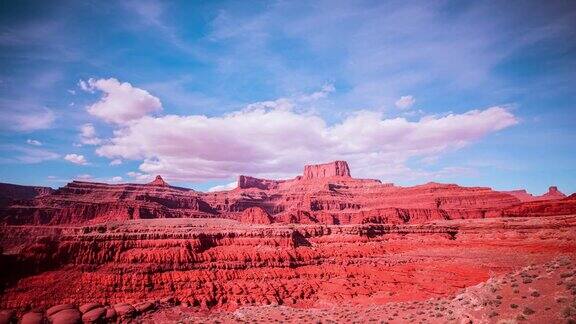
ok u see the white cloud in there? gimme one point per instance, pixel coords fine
(121, 102)
(272, 139)
(228, 186)
(76, 159)
(88, 135)
(116, 162)
(139, 177)
(405, 102)
(31, 155)
(323, 93)
(24, 116)
(85, 86)
(83, 177)
(116, 179)
(34, 142)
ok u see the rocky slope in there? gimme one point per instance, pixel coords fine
(323, 242)
(325, 194)
(11, 193)
(224, 264)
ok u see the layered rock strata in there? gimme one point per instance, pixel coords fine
(215, 263)
(324, 194)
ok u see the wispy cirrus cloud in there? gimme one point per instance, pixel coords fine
(24, 116)
(27, 155)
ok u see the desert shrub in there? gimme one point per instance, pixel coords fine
(528, 311)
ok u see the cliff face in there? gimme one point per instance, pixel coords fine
(86, 202)
(327, 170)
(325, 194)
(320, 239)
(218, 263)
(10, 193)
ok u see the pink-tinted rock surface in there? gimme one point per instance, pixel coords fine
(524, 196)
(108, 253)
(325, 193)
(326, 170)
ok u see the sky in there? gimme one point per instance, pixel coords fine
(479, 93)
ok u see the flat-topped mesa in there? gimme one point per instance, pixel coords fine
(159, 182)
(245, 182)
(327, 170)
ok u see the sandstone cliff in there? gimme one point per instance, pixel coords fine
(325, 194)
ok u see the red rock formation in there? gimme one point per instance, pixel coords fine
(553, 193)
(158, 181)
(224, 264)
(246, 182)
(325, 193)
(116, 251)
(524, 196)
(255, 215)
(81, 202)
(551, 207)
(11, 192)
(327, 170)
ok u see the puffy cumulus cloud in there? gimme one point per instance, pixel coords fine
(88, 135)
(121, 102)
(76, 159)
(405, 102)
(273, 140)
(116, 179)
(228, 186)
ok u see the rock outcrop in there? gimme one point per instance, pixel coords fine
(553, 193)
(247, 182)
(255, 215)
(158, 181)
(324, 194)
(326, 170)
(524, 196)
(9, 193)
(87, 202)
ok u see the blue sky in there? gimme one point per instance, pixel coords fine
(475, 93)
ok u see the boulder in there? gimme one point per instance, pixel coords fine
(110, 314)
(55, 309)
(7, 316)
(124, 310)
(144, 307)
(32, 318)
(94, 315)
(88, 307)
(66, 316)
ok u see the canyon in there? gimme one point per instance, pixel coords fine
(322, 240)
